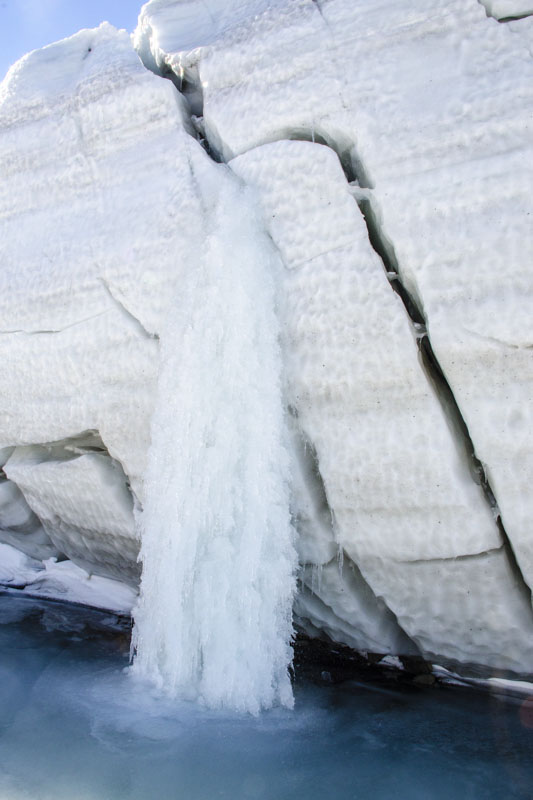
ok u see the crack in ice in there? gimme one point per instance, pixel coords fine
(125, 311)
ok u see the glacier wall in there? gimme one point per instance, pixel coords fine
(386, 149)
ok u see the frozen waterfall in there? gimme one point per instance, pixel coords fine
(213, 622)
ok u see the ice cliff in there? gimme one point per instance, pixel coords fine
(374, 184)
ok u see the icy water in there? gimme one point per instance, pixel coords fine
(75, 726)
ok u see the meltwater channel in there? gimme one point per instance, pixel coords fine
(76, 726)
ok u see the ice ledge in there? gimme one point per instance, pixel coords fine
(63, 580)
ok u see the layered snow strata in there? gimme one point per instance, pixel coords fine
(84, 504)
(449, 151)
(428, 105)
(102, 216)
(336, 599)
(400, 488)
(63, 580)
(484, 619)
(94, 152)
(99, 215)
(150, 238)
(19, 526)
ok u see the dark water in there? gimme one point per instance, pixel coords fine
(74, 726)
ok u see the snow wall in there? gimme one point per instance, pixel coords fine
(345, 184)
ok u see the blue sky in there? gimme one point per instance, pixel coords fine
(28, 24)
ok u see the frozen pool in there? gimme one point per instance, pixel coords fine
(74, 726)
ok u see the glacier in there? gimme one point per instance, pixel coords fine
(281, 247)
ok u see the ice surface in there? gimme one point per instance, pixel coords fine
(354, 377)
(166, 27)
(84, 505)
(105, 211)
(316, 542)
(456, 202)
(214, 615)
(462, 625)
(336, 599)
(499, 687)
(5, 453)
(364, 402)
(108, 211)
(20, 526)
(14, 512)
(74, 726)
(16, 567)
(96, 185)
(444, 150)
(63, 580)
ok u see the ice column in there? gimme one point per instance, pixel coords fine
(213, 622)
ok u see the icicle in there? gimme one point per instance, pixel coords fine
(214, 619)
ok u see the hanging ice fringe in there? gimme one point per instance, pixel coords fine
(213, 621)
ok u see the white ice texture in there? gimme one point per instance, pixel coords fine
(214, 618)
(62, 580)
(144, 287)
